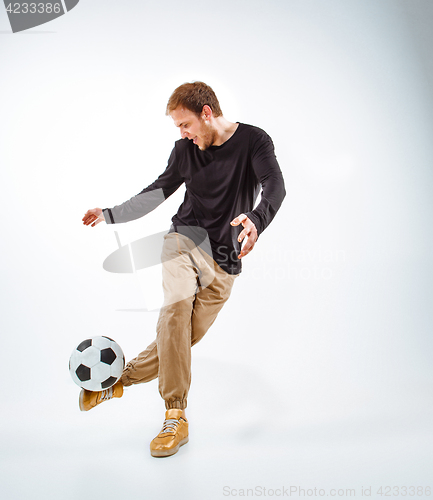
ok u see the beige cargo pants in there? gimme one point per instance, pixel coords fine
(195, 290)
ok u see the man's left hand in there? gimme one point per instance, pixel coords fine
(249, 232)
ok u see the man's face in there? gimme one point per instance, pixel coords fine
(193, 127)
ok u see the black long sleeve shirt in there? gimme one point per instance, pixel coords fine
(221, 183)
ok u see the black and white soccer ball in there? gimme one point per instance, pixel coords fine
(97, 363)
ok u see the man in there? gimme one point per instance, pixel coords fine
(222, 165)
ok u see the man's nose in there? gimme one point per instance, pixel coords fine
(184, 134)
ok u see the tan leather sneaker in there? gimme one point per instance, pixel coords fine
(90, 399)
(173, 435)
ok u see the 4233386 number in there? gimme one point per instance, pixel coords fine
(34, 8)
(404, 491)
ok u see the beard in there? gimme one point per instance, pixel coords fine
(208, 137)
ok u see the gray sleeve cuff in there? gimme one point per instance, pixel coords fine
(108, 216)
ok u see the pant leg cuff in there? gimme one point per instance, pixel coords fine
(125, 380)
(179, 404)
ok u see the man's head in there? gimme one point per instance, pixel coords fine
(194, 107)
(193, 96)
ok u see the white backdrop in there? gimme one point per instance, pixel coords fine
(318, 371)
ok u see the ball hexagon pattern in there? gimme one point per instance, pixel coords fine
(96, 363)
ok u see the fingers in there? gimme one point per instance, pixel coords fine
(238, 220)
(89, 218)
(245, 232)
(249, 245)
(92, 217)
(249, 229)
(250, 233)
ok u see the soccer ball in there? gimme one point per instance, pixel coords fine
(96, 364)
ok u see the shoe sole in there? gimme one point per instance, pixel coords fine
(80, 402)
(168, 453)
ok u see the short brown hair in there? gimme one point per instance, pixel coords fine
(194, 96)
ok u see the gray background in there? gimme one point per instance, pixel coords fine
(318, 371)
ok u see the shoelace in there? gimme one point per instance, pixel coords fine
(107, 394)
(170, 425)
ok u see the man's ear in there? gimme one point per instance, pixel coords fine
(206, 112)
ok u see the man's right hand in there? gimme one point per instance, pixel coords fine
(94, 215)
